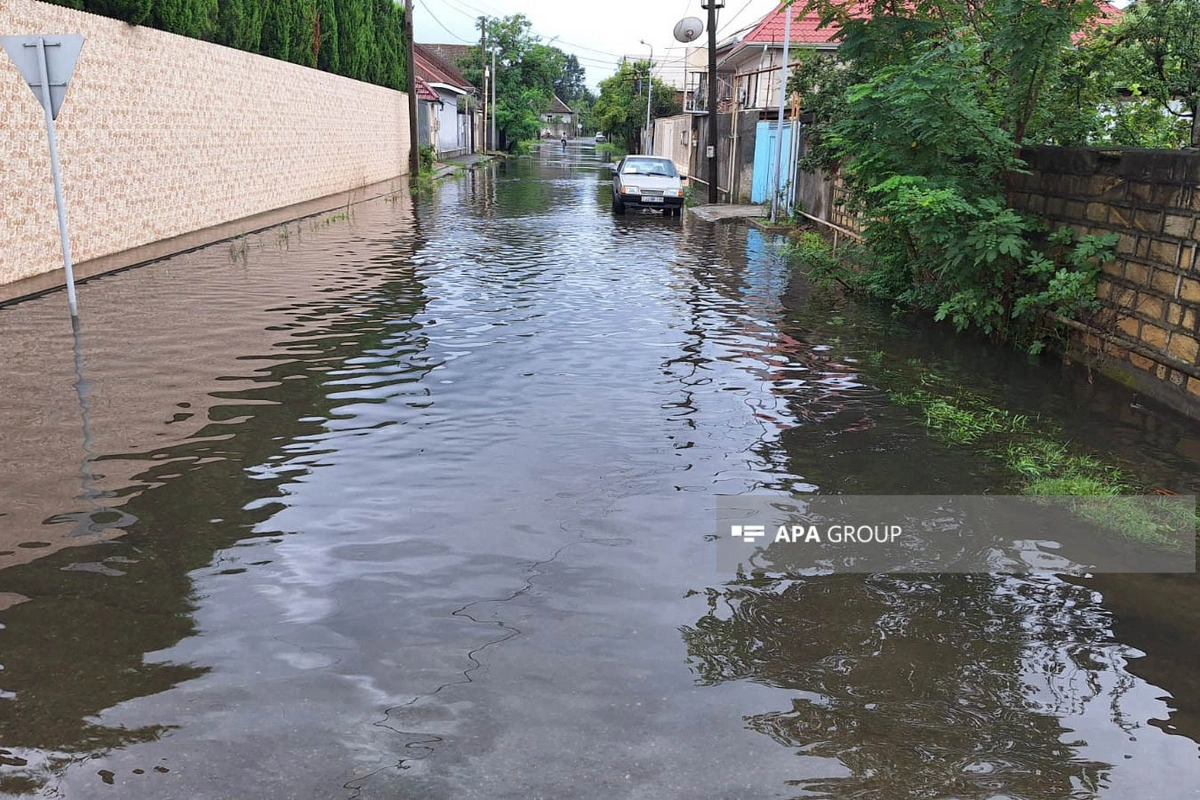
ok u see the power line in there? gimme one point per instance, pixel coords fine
(735, 16)
(432, 16)
(453, 5)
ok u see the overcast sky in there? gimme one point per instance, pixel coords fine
(598, 32)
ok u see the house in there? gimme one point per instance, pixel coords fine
(429, 105)
(559, 121)
(451, 54)
(452, 118)
(749, 72)
(748, 69)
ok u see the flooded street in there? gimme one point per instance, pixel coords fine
(416, 500)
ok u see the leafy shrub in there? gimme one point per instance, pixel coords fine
(426, 154)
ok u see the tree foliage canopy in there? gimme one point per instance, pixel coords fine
(925, 113)
(360, 39)
(620, 110)
(1158, 47)
(529, 73)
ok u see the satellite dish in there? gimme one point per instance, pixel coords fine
(688, 29)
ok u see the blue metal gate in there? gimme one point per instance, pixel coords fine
(764, 164)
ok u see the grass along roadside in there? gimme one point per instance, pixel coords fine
(1043, 464)
(611, 151)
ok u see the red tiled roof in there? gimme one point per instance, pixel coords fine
(805, 27)
(806, 24)
(451, 54)
(1108, 15)
(434, 70)
(424, 92)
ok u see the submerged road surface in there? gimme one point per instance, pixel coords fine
(416, 500)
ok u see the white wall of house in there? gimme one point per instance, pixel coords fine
(453, 135)
(555, 125)
(756, 71)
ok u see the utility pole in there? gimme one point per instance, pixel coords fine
(414, 140)
(711, 6)
(495, 141)
(483, 61)
(649, 97)
(787, 38)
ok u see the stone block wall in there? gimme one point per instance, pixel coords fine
(1150, 331)
(161, 135)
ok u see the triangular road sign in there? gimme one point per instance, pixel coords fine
(61, 54)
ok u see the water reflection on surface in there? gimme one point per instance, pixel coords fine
(418, 502)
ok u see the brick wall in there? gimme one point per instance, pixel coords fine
(162, 135)
(1150, 331)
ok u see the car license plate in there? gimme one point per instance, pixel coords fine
(649, 198)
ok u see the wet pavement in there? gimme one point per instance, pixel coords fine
(416, 500)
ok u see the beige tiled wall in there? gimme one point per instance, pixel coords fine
(162, 135)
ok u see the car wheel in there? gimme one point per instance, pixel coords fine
(617, 206)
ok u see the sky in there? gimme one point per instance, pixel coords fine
(598, 33)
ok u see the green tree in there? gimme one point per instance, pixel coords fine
(391, 67)
(303, 35)
(135, 12)
(196, 19)
(1161, 40)
(583, 107)
(356, 38)
(328, 54)
(934, 101)
(620, 110)
(278, 30)
(240, 24)
(526, 71)
(571, 84)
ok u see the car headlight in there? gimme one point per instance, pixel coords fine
(630, 190)
(673, 193)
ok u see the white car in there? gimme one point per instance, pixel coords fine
(600, 138)
(647, 182)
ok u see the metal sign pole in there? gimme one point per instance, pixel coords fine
(56, 173)
(47, 63)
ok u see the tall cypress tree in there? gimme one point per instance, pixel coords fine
(387, 43)
(240, 23)
(303, 20)
(328, 55)
(135, 12)
(277, 30)
(194, 18)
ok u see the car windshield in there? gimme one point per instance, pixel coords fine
(650, 166)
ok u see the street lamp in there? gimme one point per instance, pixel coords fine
(649, 96)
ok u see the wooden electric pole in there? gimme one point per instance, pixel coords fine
(414, 141)
(711, 5)
(483, 55)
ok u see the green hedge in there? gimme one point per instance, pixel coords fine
(361, 39)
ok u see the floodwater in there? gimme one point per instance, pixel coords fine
(416, 500)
